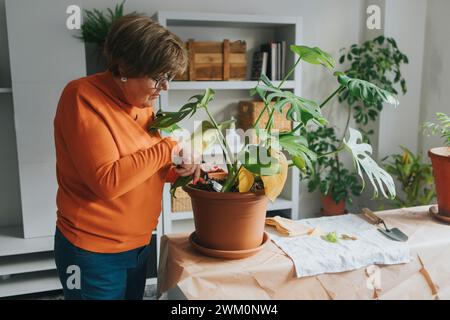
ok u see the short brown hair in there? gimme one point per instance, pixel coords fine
(142, 47)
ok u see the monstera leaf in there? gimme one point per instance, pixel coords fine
(300, 109)
(365, 90)
(361, 153)
(273, 184)
(166, 120)
(314, 56)
(297, 147)
(246, 180)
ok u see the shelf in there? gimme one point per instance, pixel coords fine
(30, 283)
(27, 263)
(5, 90)
(223, 85)
(12, 242)
(196, 19)
(279, 204)
(176, 216)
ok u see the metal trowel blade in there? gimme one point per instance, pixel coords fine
(394, 234)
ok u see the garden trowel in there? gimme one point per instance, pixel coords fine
(393, 233)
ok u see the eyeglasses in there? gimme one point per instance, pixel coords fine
(162, 82)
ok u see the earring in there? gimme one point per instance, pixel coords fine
(123, 79)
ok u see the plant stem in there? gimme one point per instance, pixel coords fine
(341, 144)
(224, 141)
(338, 90)
(230, 181)
(269, 124)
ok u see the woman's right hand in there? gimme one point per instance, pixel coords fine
(187, 163)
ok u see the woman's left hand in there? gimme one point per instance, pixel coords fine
(193, 170)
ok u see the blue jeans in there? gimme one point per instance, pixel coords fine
(100, 276)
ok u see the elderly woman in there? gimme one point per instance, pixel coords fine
(110, 169)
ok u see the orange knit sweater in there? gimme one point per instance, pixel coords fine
(110, 170)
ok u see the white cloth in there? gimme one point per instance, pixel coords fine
(312, 255)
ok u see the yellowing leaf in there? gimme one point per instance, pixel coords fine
(273, 185)
(246, 180)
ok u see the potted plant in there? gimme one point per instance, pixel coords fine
(378, 61)
(440, 160)
(336, 183)
(95, 28)
(233, 219)
(414, 176)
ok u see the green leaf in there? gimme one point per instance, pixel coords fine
(167, 119)
(331, 237)
(365, 90)
(180, 182)
(314, 56)
(361, 152)
(297, 146)
(300, 109)
(257, 160)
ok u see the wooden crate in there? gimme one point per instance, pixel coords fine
(209, 60)
(249, 111)
(182, 202)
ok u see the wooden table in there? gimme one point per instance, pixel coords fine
(270, 274)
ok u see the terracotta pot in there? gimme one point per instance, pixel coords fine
(230, 220)
(330, 207)
(440, 159)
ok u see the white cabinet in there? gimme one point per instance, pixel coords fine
(254, 30)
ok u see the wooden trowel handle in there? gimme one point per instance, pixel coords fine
(371, 216)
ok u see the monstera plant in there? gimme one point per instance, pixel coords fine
(232, 220)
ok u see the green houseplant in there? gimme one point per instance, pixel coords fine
(233, 219)
(414, 176)
(440, 159)
(336, 183)
(95, 28)
(378, 61)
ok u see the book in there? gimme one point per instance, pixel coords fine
(278, 61)
(266, 47)
(273, 71)
(283, 59)
(264, 63)
(257, 65)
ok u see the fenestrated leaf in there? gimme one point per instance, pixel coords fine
(299, 110)
(314, 56)
(167, 119)
(297, 147)
(365, 90)
(361, 153)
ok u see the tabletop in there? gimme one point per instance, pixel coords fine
(270, 274)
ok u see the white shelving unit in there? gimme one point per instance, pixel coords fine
(255, 30)
(5, 90)
(28, 265)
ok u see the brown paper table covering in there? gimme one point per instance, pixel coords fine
(270, 274)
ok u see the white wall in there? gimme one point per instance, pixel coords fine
(436, 69)
(328, 24)
(405, 22)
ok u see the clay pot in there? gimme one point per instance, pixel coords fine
(440, 159)
(330, 207)
(230, 220)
